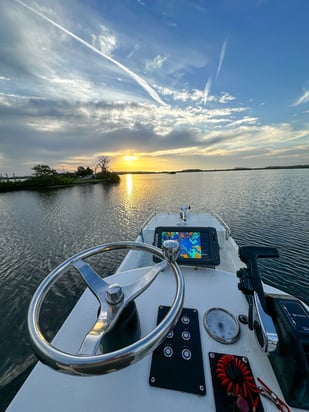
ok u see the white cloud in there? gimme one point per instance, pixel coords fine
(222, 55)
(303, 99)
(185, 95)
(106, 41)
(134, 51)
(156, 63)
(244, 120)
(226, 98)
(207, 90)
(169, 152)
(52, 125)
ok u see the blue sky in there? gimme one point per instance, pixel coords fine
(154, 85)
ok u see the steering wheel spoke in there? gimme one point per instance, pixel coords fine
(108, 316)
(134, 289)
(95, 283)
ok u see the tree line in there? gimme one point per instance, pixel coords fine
(44, 170)
(45, 176)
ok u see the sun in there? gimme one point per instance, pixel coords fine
(129, 158)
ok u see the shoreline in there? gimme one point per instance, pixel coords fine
(18, 186)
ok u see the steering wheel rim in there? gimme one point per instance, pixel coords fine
(108, 362)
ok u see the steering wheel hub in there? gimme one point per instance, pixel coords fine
(114, 294)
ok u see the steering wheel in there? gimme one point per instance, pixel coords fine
(112, 299)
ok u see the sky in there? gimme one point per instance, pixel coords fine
(155, 85)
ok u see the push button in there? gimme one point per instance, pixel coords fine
(168, 351)
(186, 354)
(186, 335)
(185, 320)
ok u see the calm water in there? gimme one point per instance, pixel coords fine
(41, 229)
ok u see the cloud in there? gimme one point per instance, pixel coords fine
(302, 99)
(185, 95)
(156, 63)
(152, 93)
(226, 98)
(106, 42)
(195, 95)
(222, 55)
(63, 133)
(207, 91)
(244, 120)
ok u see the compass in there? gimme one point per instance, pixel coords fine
(221, 325)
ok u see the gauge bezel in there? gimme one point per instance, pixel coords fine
(220, 339)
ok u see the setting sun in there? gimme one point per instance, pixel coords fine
(129, 158)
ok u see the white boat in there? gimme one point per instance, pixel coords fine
(194, 337)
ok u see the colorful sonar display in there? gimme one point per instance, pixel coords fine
(190, 243)
(198, 245)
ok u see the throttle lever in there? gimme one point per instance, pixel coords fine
(249, 255)
(250, 284)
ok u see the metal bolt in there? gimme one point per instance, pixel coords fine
(114, 294)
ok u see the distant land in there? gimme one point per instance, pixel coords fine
(235, 169)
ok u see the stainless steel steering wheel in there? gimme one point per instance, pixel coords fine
(112, 300)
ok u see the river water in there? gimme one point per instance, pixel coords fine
(40, 229)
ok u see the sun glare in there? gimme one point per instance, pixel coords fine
(129, 158)
(129, 184)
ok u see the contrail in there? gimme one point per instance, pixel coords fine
(152, 93)
(207, 90)
(222, 54)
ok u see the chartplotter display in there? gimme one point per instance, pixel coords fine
(198, 246)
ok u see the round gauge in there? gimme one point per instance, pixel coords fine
(221, 325)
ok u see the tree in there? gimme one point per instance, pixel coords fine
(105, 175)
(103, 163)
(43, 170)
(81, 171)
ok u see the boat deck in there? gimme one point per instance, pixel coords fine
(129, 389)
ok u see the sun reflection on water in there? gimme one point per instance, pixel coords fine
(129, 184)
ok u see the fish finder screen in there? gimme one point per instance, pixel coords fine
(190, 243)
(198, 245)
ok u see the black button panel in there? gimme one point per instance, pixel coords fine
(178, 363)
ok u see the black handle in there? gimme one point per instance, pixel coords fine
(249, 255)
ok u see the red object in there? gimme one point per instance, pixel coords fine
(266, 391)
(242, 405)
(235, 377)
